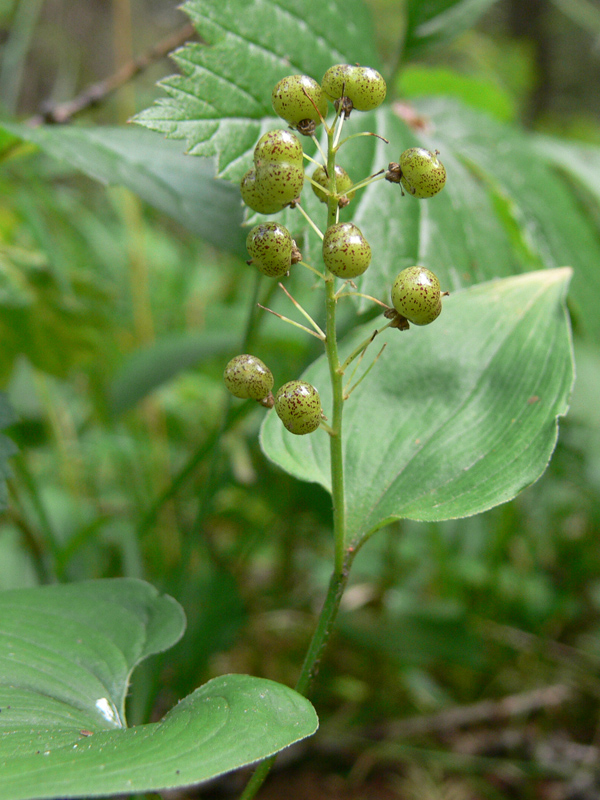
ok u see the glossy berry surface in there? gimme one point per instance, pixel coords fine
(416, 295)
(291, 103)
(422, 174)
(343, 182)
(279, 182)
(346, 252)
(278, 146)
(298, 406)
(277, 177)
(270, 246)
(248, 378)
(258, 197)
(364, 86)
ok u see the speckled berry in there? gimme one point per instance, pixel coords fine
(292, 98)
(298, 406)
(346, 252)
(277, 176)
(363, 86)
(257, 197)
(248, 378)
(272, 249)
(279, 182)
(416, 295)
(278, 146)
(343, 182)
(422, 174)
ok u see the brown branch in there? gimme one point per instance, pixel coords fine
(451, 721)
(485, 711)
(97, 92)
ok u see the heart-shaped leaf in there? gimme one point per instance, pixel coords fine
(66, 654)
(455, 417)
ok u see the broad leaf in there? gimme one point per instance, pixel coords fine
(504, 209)
(548, 223)
(155, 169)
(579, 161)
(485, 94)
(146, 369)
(66, 654)
(219, 101)
(455, 417)
(434, 23)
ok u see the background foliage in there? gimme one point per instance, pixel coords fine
(119, 307)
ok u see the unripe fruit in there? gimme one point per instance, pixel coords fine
(298, 406)
(291, 103)
(343, 182)
(346, 252)
(416, 295)
(422, 174)
(272, 249)
(279, 182)
(278, 145)
(256, 197)
(248, 378)
(363, 86)
(277, 177)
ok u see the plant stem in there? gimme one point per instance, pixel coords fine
(343, 556)
(327, 617)
(336, 377)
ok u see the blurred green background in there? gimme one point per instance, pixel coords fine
(115, 325)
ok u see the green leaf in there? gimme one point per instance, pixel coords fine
(66, 656)
(155, 169)
(485, 94)
(455, 417)
(504, 209)
(434, 23)
(579, 161)
(548, 221)
(217, 104)
(145, 370)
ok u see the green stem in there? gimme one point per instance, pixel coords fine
(342, 556)
(312, 660)
(336, 377)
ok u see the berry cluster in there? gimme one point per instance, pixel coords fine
(297, 403)
(276, 180)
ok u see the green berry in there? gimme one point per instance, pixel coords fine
(255, 196)
(292, 98)
(298, 406)
(346, 252)
(343, 182)
(421, 172)
(416, 295)
(272, 249)
(277, 177)
(363, 86)
(278, 146)
(247, 377)
(279, 182)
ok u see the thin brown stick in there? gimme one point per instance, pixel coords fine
(98, 92)
(485, 711)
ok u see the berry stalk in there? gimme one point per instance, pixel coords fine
(336, 377)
